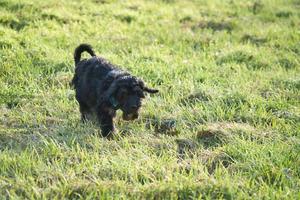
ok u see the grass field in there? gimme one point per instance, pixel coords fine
(225, 125)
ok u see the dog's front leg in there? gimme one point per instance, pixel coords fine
(106, 122)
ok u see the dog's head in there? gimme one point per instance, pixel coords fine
(127, 93)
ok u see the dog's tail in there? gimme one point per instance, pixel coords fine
(82, 48)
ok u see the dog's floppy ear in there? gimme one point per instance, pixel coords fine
(108, 96)
(146, 89)
(113, 79)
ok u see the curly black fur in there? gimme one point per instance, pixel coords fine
(102, 88)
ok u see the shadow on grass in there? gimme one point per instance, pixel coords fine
(19, 137)
(251, 61)
(196, 97)
(162, 126)
(258, 41)
(215, 26)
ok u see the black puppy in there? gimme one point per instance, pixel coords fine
(102, 88)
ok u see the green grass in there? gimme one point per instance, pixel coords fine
(226, 123)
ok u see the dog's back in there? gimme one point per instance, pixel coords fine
(89, 74)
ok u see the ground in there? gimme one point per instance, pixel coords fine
(226, 123)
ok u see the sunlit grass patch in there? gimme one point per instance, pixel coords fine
(224, 125)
